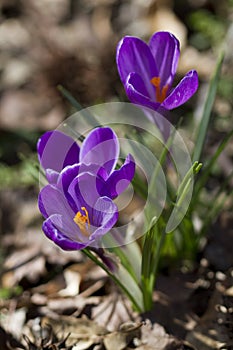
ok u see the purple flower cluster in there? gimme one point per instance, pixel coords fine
(77, 204)
(147, 71)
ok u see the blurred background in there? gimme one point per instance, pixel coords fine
(72, 43)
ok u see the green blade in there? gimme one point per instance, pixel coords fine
(203, 126)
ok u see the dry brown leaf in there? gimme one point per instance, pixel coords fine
(73, 280)
(154, 337)
(76, 304)
(80, 329)
(119, 340)
(112, 311)
(8, 342)
(14, 320)
(51, 288)
(28, 263)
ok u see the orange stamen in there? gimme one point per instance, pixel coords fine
(160, 94)
(83, 222)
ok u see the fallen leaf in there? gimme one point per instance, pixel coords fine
(112, 311)
(8, 342)
(121, 339)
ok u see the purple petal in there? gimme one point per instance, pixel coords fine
(183, 91)
(52, 201)
(53, 204)
(121, 178)
(59, 238)
(69, 229)
(64, 180)
(56, 150)
(84, 192)
(105, 214)
(136, 81)
(68, 174)
(135, 90)
(51, 176)
(165, 50)
(100, 147)
(134, 56)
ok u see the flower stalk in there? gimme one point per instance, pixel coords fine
(122, 279)
(153, 244)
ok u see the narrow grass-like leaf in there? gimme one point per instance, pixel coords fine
(218, 203)
(203, 126)
(183, 198)
(122, 253)
(208, 168)
(192, 171)
(89, 117)
(147, 255)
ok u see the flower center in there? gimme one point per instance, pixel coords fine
(83, 222)
(160, 93)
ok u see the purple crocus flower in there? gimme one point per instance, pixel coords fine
(55, 151)
(147, 71)
(78, 202)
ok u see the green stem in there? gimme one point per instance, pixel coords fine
(150, 260)
(155, 260)
(121, 252)
(91, 256)
(124, 260)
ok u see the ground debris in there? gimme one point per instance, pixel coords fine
(70, 333)
(8, 342)
(214, 329)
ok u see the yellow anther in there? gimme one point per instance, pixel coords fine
(160, 94)
(83, 222)
(156, 82)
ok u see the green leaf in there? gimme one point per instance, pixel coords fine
(183, 197)
(220, 198)
(203, 126)
(89, 117)
(209, 166)
(122, 278)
